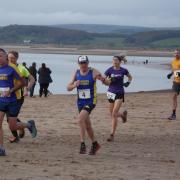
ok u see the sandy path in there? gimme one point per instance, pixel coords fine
(146, 148)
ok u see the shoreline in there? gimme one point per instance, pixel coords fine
(98, 52)
(77, 51)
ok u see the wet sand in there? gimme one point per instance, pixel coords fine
(147, 147)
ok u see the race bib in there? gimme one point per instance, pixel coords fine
(3, 91)
(84, 94)
(177, 73)
(111, 96)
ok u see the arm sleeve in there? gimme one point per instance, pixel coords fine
(126, 72)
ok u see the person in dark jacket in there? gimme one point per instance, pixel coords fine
(44, 80)
(33, 72)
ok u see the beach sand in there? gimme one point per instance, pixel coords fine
(147, 147)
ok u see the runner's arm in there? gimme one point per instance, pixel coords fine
(73, 83)
(29, 79)
(31, 82)
(107, 81)
(129, 77)
(126, 84)
(20, 80)
(171, 73)
(19, 84)
(98, 76)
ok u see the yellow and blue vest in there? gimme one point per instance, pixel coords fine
(87, 93)
(8, 75)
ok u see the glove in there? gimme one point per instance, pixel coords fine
(113, 79)
(126, 84)
(169, 75)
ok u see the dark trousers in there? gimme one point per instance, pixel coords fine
(32, 90)
(43, 89)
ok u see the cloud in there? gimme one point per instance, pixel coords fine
(79, 17)
(120, 12)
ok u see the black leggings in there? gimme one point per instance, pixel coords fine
(43, 89)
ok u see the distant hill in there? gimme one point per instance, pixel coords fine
(155, 38)
(96, 28)
(102, 36)
(41, 35)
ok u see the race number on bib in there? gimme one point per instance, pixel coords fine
(177, 73)
(3, 91)
(111, 96)
(84, 94)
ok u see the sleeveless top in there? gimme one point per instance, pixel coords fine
(87, 90)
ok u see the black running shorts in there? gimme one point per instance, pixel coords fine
(176, 87)
(87, 108)
(118, 96)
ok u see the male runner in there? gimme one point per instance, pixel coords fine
(8, 97)
(84, 79)
(12, 59)
(176, 82)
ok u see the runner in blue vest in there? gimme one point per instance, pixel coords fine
(84, 79)
(10, 82)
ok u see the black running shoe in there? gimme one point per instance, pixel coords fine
(172, 117)
(82, 148)
(2, 152)
(32, 128)
(111, 138)
(94, 148)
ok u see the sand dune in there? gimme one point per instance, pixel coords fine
(146, 148)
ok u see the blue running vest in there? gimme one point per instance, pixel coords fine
(87, 90)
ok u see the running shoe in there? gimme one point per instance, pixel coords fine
(32, 128)
(172, 117)
(82, 149)
(2, 152)
(94, 148)
(111, 138)
(124, 117)
(14, 139)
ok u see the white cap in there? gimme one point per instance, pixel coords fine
(83, 59)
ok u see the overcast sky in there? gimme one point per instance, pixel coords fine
(163, 13)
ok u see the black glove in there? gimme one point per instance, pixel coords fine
(169, 75)
(113, 79)
(126, 84)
